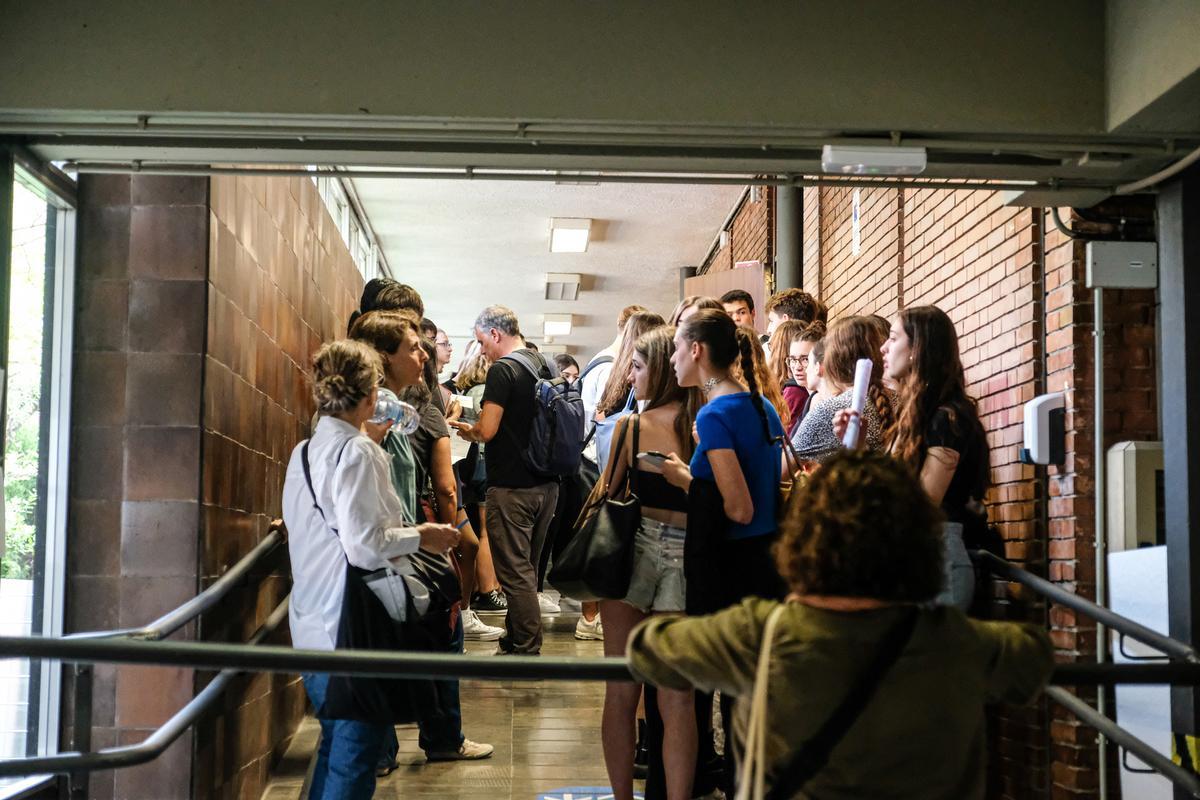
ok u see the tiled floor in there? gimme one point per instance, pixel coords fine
(546, 734)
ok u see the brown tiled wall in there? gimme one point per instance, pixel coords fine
(198, 307)
(281, 281)
(135, 445)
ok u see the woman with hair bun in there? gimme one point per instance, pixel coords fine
(349, 512)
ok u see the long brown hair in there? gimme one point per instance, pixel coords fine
(728, 344)
(699, 301)
(656, 346)
(935, 380)
(616, 391)
(848, 340)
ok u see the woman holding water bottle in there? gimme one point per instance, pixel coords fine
(396, 336)
(938, 435)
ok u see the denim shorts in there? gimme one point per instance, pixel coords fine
(958, 588)
(657, 583)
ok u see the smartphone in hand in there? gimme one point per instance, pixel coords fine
(652, 460)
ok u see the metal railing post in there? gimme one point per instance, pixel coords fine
(81, 724)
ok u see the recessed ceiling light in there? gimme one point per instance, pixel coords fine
(867, 160)
(569, 234)
(556, 325)
(562, 286)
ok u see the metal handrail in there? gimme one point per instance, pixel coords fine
(205, 601)
(156, 743)
(1173, 648)
(407, 664)
(1173, 772)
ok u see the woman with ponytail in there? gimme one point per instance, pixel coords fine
(938, 435)
(732, 480)
(847, 341)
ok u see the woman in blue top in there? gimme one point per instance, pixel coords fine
(733, 478)
(732, 482)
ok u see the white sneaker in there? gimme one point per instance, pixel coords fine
(467, 751)
(547, 605)
(589, 631)
(475, 629)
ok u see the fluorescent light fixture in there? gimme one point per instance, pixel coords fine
(552, 349)
(569, 234)
(556, 325)
(562, 286)
(873, 160)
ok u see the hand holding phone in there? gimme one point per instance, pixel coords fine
(652, 460)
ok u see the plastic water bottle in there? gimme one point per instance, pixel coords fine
(388, 406)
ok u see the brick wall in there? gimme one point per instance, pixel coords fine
(982, 263)
(280, 282)
(751, 234)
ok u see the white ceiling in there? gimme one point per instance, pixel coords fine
(467, 244)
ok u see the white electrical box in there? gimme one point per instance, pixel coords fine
(1135, 487)
(1122, 265)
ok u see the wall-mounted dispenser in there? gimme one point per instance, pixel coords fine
(1045, 429)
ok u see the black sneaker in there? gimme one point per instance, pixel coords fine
(493, 602)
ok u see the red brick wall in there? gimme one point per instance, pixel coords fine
(981, 262)
(751, 234)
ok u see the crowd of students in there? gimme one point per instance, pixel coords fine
(759, 529)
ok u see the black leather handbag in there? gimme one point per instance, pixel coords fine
(597, 562)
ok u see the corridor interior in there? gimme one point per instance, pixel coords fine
(546, 733)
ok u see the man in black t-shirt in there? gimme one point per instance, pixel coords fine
(520, 504)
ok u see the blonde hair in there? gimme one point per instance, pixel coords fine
(472, 372)
(344, 372)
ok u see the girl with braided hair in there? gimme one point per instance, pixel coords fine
(732, 479)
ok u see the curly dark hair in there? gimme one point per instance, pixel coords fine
(862, 527)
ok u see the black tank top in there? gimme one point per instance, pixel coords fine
(656, 492)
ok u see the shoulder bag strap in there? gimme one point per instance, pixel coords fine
(610, 467)
(813, 754)
(752, 777)
(595, 362)
(308, 480)
(631, 476)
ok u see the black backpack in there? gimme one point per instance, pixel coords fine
(556, 431)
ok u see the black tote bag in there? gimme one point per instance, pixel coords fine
(364, 624)
(597, 562)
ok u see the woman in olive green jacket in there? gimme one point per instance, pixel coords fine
(861, 550)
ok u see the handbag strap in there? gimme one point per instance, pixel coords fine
(811, 756)
(753, 771)
(308, 480)
(631, 472)
(789, 453)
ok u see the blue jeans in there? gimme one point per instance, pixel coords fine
(440, 722)
(348, 752)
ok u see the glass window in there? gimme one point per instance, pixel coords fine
(35, 433)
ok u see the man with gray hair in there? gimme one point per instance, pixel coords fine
(520, 504)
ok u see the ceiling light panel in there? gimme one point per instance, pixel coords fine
(873, 160)
(569, 234)
(557, 324)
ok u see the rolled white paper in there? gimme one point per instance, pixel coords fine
(858, 400)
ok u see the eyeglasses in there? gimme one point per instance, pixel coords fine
(442, 344)
(794, 361)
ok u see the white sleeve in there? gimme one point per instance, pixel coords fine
(368, 514)
(593, 389)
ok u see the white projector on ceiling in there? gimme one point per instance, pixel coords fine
(873, 160)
